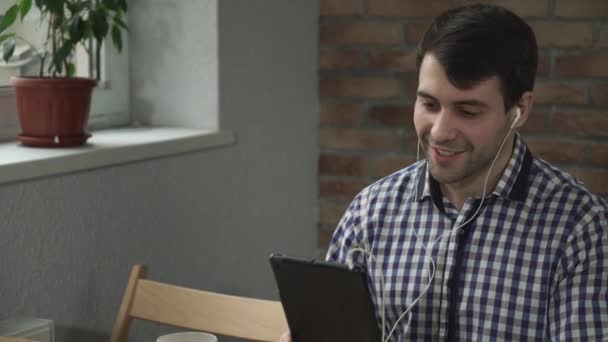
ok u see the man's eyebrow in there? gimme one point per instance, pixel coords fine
(466, 102)
(422, 93)
(472, 102)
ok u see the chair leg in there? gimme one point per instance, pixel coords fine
(120, 333)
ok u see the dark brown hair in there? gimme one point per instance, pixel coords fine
(476, 42)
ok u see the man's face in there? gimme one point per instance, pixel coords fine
(460, 130)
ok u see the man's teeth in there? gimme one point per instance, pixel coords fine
(446, 153)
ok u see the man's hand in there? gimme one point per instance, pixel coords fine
(286, 337)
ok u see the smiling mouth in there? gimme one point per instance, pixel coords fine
(446, 153)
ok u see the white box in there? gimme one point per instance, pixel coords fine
(35, 329)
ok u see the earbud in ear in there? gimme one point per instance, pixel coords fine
(517, 116)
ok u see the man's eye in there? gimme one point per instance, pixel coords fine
(469, 114)
(430, 105)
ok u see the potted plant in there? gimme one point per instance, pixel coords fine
(54, 106)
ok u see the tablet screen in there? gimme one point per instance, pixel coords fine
(324, 301)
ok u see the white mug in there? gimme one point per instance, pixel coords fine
(188, 336)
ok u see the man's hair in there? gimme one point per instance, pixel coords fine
(475, 42)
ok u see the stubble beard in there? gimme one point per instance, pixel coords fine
(475, 165)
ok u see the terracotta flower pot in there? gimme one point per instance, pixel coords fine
(53, 112)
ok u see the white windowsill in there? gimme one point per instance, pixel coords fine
(105, 148)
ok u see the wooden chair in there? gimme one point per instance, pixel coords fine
(13, 339)
(247, 318)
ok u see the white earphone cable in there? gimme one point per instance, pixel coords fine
(449, 233)
(428, 249)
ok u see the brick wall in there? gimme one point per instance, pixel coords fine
(368, 82)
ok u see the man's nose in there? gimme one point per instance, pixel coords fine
(444, 127)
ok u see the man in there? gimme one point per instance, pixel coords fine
(481, 241)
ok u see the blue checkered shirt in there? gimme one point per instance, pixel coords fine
(531, 266)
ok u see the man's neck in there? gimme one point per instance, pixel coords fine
(473, 186)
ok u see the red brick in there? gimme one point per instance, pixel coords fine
(340, 189)
(603, 41)
(595, 179)
(582, 66)
(340, 165)
(585, 124)
(544, 65)
(404, 61)
(353, 139)
(559, 93)
(414, 31)
(599, 94)
(384, 166)
(556, 151)
(361, 33)
(346, 114)
(410, 87)
(376, 88)
(337, 59)
(341, 7)
(393, 116)
(411, 144)
(408, 8)
(598, 154)
(524, 8)
(537, 123)
(330, 213)
(563, 35)
(325, 234)
(581, 8)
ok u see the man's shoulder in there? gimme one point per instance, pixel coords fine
(552, 184)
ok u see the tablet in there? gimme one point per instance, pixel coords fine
(325, 301)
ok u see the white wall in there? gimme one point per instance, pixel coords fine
(176, 74)
(206, 219)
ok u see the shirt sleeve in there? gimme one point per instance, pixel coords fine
(348, 243)
(579, 307)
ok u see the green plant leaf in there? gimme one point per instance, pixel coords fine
(77, 29)
(117, 38)
(62, 55)
(100, 24)
(76, 7)
(88, 29)
(123, 4)
(26, 5)
(8, 48)
(118, 21)
(6, 36)
(59, 23)
(9, 17)
(111, 4)
(55, 6)
(71, 70)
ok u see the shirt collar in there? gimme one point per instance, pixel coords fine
(511, 185)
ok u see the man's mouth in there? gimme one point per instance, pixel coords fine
(446, 153)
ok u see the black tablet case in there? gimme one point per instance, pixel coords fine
(325, 302)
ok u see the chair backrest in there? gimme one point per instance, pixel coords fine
(248, 318)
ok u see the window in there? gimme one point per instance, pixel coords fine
(110, 103)
(174, 77)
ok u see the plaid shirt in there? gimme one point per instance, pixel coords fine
(532, 266)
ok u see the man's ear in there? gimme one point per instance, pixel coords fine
(525, 106)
